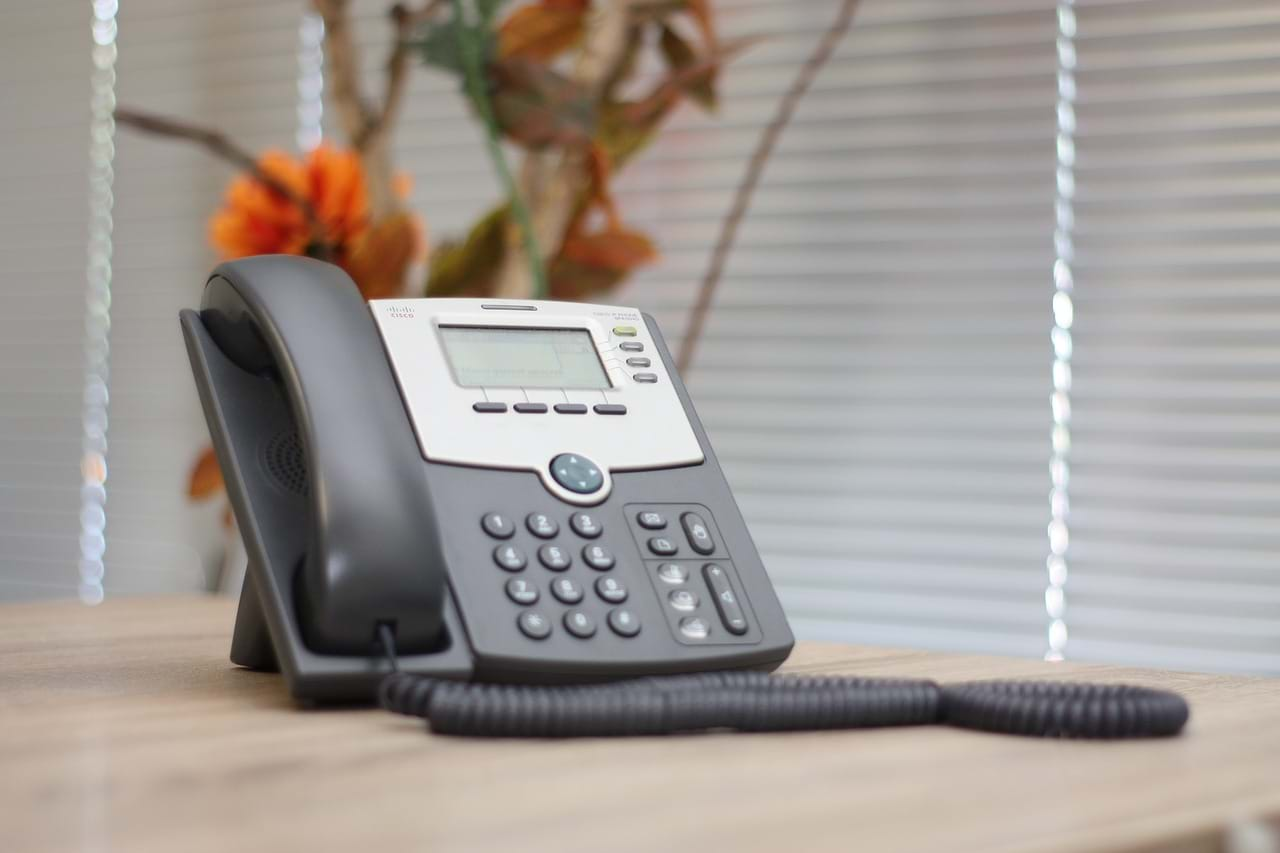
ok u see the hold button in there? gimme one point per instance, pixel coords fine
(735, 622)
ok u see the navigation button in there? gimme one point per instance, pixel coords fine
(498, 525)
(531, 408)
(623, 622)
(576, 473)
(631, 346)
(644, 378)
(625, 331)
(534, 625)
(486, 408)
(610, 409)
(731, 615)
(571, 408)
(579, 624)
(638, 362)
(695, 530)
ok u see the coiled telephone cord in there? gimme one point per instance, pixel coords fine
(759, 702)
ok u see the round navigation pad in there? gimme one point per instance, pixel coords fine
(577, 473)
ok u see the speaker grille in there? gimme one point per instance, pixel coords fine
(285, 463)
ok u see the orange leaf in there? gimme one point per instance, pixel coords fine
(701, 12)
(541, 31)
(382, 256)
(206, 477)
(617, 249)
(598, 166)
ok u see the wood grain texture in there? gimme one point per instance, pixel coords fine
(124, 727)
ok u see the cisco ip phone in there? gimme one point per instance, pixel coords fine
(442, 498)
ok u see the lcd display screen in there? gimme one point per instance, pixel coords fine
(509, 357)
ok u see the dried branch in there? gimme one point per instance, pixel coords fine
(218, 144)
(405, 21)
(366, 126)
(751, 178)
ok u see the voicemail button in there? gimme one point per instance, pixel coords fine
(727, 605)
(695, 530)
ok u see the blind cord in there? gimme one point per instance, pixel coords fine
(760, 702)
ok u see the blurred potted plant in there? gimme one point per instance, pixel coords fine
(556, 78)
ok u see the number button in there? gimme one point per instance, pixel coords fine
(579, 624)
(521, 591)
(509, 557)
(623, 622)
(566, 590)
(662, 546)
(542, 525)
(585, 525)
(534, 625)
(695, 530)
(554, 558)
(651, 520)
(498, 526)
(611, 590)
(598, 557)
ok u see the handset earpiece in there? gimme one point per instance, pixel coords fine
(373, 554)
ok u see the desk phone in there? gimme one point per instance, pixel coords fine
(441, 498)
(520, 489)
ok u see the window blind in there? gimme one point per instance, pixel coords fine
(43, 231)
(1175, 548)
(876, 371)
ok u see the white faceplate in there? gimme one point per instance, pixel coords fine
(654, 433)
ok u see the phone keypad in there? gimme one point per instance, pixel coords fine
(689, 569)
(585, 611)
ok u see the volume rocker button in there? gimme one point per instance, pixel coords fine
(731, 615)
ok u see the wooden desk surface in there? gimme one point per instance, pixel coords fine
(124, 727)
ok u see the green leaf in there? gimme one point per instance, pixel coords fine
(680, 57)
(488, 8)
(439, 46)
(468, 267)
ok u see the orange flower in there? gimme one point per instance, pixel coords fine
(254, 220)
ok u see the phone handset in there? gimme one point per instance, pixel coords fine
(373, 546)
